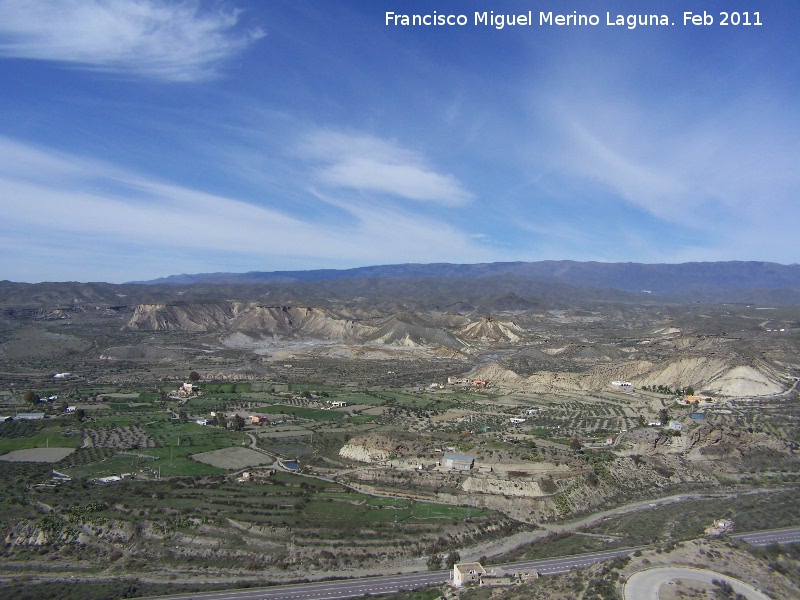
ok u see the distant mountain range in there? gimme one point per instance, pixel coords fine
(516, 284)
(668, 280)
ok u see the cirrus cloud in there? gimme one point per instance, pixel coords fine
(88, 214)
(174, 41)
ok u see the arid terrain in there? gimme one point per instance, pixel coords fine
(201, 433)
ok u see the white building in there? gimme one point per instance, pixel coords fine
(459, 462)
(467, 573)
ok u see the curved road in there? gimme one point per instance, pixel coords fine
(645, 585)
(354, 588)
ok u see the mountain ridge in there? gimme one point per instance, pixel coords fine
(626, 276)
(515, 284)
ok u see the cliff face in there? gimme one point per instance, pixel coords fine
(504, 487)
(285, 321)
(716, 376)
(652, 353)
(182, 317)
(290, 322)
(363, 454)
(725, 375)
(372, 448)
(404, 329)
(487, 329)
(706, 442)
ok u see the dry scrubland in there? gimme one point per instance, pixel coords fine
(773, 570)
(371, 495)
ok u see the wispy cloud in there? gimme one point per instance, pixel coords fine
(102, 211)
(709, 181)
(177, 41)
(676, 158)
(370, 164)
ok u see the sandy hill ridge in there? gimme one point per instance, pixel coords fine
(404, 329)
(711, 374)
(287, 321)
(490, 330)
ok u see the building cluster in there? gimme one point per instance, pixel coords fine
(719, 527)
(253, 418)
(699, 400)
(187, 390)
(474, 573)
(466, 381)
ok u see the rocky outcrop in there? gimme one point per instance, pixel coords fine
(704, 443)
(281, 321)
(496, 373)
(404, 329)
(487, 329)
(705, 435)
(718, 375)
(374, 448)
(360, 453)
(744, 381)
(183, 316)
(504, 487)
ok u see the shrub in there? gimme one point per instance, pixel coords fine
(434, 562)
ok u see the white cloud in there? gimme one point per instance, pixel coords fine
(730, 171)
(726, 181)
(177, 41)
(369, 164)
(78, 208)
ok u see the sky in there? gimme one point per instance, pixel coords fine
(145, 138)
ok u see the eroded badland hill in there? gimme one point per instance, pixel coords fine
(213, 431)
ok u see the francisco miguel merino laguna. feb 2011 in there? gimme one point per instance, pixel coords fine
(503, 20)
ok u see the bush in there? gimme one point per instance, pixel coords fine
(434, 562)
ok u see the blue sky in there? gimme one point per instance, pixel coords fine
(143, 138)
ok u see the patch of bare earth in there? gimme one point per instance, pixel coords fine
(42, 455)
(233, 458)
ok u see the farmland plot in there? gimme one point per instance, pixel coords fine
(233, 458)
(117, 437)
(42, 455)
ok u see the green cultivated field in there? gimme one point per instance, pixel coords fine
(50, 437)
(314, 414)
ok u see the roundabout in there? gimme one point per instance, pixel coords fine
(665, 583)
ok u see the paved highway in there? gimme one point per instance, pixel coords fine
(354, 588)
(775, 536)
